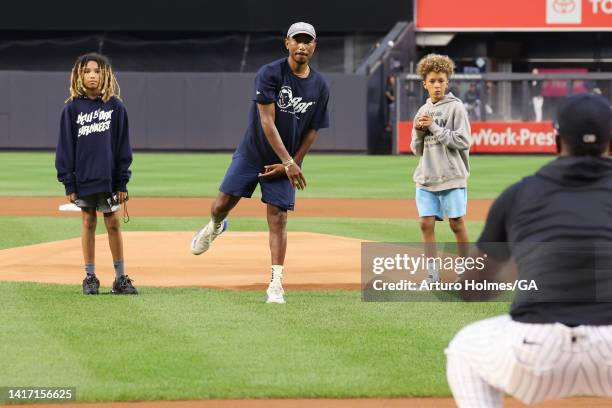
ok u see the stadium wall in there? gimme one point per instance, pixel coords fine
(206, 16)
(172, 111)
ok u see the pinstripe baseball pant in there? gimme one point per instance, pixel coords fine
(531, 362)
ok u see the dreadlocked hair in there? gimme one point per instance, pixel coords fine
(109, 86)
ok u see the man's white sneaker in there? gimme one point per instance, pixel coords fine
(203, 238)
(275, 293)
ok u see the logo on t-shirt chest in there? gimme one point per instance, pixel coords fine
(288, 103)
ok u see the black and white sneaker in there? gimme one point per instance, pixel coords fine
(123, 286)
(91, 285)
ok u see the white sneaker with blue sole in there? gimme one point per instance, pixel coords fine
(203, 238)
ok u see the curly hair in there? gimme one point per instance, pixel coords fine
(109, 86)
(435, 63)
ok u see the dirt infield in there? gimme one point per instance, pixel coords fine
(240, 260)
(330, 403)
(199, 207)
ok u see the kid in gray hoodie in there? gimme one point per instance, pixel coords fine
(441, 136)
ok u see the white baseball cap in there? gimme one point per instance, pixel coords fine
(301, 28)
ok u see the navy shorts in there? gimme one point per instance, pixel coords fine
(241, 180)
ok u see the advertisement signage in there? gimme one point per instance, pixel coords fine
(498, 137)
(515, 15)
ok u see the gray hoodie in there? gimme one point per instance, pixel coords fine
(444, 147)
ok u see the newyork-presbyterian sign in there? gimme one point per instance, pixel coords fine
(498, 137)
(513, 15)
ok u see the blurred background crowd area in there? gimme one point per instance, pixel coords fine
(514, 67)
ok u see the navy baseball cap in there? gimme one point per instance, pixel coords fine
(585, 121)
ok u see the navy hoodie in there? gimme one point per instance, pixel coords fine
(93, 152)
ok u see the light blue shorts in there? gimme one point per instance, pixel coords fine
(452, 203)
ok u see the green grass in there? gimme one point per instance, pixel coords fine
(333, 176)
(20, 231)
(197, 343)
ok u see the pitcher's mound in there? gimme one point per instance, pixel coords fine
(236, 260)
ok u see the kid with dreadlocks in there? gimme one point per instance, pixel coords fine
(92, 159)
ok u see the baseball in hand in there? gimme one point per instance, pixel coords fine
(423, 122)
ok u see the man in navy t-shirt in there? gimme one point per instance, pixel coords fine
(289, 107)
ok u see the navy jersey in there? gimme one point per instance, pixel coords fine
(300, 103)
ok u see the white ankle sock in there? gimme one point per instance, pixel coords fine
(277, 273)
